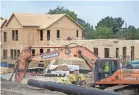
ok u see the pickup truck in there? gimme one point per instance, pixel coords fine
(133, 64)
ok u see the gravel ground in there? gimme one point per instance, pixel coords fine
(13, 88)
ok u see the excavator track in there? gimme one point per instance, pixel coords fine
(114, 88)
(123, 89)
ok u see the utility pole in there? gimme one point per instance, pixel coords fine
(125, 30)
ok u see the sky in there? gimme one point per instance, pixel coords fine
(90, 11)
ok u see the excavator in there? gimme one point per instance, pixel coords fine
(117, 78)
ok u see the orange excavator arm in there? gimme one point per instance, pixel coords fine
(66, 51)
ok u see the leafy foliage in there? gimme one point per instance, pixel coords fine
(88, 29)
(117, 31)
(102, 32)
(106, 28)
(114, 23)
(130, 33)
(62, 10)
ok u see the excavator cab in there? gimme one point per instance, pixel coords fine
(105, 68)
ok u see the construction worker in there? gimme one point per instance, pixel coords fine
(75, 77)
(106, 69)
(72, 76)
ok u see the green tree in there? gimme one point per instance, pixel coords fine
(88, 29)
(62, 10)
(102, 33)
(114, 23)
(138, 33)
(108, 27)
(121, 34)
(130, 33)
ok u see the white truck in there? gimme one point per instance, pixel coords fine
(62, 70)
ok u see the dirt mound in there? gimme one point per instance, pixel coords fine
(61, 68)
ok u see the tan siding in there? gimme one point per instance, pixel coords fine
(14, 23)
(10, 44)
(67, 29)
(107, 43)
(9, 47)
(137, 49)
(9, 37)
(30, 36)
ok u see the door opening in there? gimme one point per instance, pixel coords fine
(132, 52)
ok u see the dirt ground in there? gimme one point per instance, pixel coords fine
(13, 88)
